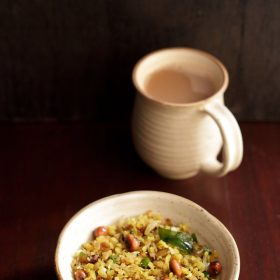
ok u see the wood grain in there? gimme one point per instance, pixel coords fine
(49, 171)
(70, 60)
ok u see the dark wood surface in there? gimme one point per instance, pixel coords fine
(51, 170)
(65, 59)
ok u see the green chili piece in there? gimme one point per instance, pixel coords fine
(113, 258)
(145, 262)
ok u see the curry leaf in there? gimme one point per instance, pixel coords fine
(182, 240)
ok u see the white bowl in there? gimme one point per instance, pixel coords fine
(108, 210)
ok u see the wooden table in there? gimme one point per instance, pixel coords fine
(48, 171)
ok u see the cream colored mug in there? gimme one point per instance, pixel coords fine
(180, 122)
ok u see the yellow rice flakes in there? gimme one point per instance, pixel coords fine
(114, 261)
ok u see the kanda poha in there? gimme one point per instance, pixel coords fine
(147, 246)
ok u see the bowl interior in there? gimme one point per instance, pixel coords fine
(106, 211)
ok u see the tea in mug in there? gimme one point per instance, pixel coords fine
(169, 85)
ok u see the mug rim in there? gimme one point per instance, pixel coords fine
(214, 59)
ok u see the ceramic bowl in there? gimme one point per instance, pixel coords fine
(108, 210)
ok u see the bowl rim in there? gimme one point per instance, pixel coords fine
(148, 192)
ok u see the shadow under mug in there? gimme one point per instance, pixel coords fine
(181, 139)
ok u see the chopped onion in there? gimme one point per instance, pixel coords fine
(152, 225)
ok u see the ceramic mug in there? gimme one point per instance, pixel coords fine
(180, 123)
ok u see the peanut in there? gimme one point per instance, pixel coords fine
(175, 267)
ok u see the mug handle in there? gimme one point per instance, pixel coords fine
(232, 151)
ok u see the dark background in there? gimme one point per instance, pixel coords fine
(72, 60)
(66, 99)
